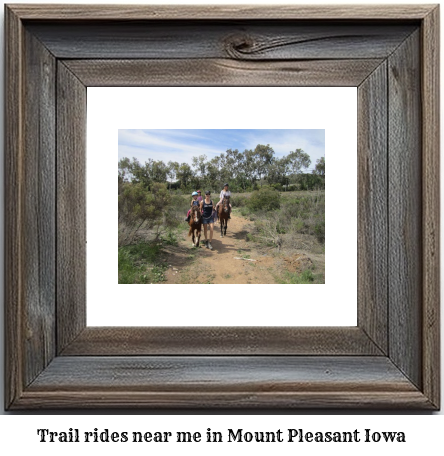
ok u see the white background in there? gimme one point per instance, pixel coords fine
(329, 108)
(18, 433)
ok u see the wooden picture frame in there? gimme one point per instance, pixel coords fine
(390, 360)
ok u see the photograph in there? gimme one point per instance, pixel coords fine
(221, 206)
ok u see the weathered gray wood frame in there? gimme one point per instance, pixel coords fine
(390, 360)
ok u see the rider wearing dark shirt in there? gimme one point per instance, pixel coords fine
(206, 207)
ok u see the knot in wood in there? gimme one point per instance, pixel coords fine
(238, 46)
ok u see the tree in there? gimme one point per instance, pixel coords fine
(224, 170)
(158, 171)
(133, 171)
(200, 165)
(235, 164)
(124, 169)
(298, 160)
(239, 169)
(311, 181)
(184, 174)
(249, 165)
(285, 164)
(172, 169)
(263, 157)
(213, 172)
(278, 170)
(320, 167)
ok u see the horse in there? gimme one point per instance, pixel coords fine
(195, 225)
(223, 214)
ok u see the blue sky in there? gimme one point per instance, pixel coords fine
(182, 145)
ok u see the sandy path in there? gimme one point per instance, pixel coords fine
(191, 265)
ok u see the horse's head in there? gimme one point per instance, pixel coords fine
(195, 214)
(226, 203)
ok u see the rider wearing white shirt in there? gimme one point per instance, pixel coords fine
(224, 192)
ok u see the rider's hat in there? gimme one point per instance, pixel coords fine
(225, 185)
(194, 194)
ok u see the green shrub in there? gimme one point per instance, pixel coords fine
(169, 238)
(302, 207)
(134, 264)
(266, 199)
(140, 207)
(306, 277)
(319, 230)
(239, 201)
(277, 186)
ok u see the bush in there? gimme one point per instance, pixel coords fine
(240, 201)
(319, 230)
(266, 199)
(179, 206)
(134, 264)
(169, 238)
(306, 277)
(301, 207)
(277, 187)
(298, 223)
(141, 207)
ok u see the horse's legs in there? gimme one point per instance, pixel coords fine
(221, 227)
(198, 237)
(225, 227)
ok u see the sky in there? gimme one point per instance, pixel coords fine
(183, 145)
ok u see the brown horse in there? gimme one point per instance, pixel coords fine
(223, 214)
(195, 225)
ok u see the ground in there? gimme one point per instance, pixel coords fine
(234, 260)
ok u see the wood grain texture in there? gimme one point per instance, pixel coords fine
(220, 12)
(405, 209)
(223, 382)
(126, 341)
(39, 207)
(71, 206)
(209, 373)
(258, 40)
(225, 400)
(263, 45)
(372, 207)
(221, 72)
(13, 209)
(431, 205)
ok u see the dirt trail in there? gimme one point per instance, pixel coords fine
(191, 265)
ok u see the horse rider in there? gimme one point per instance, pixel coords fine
(194, 202)
(223, 193)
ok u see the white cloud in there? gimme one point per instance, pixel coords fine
(166, 145)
